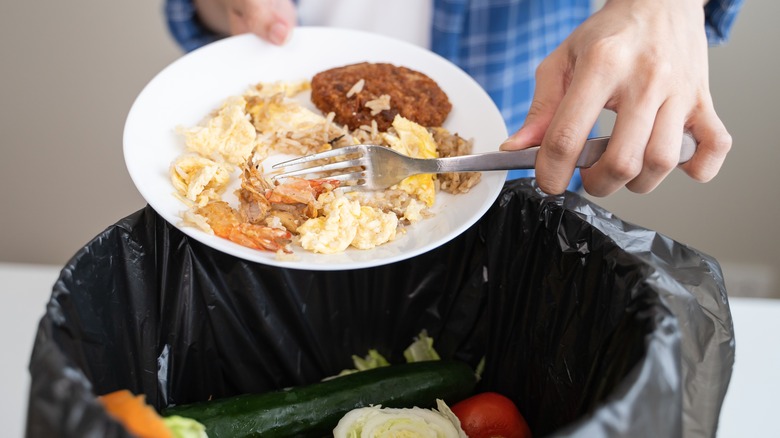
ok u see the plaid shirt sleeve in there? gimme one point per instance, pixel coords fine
(185, 27)
(500, 44)
(719, 18)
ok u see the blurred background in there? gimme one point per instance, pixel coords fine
(71, 71)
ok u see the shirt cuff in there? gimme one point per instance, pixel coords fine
(719, 17)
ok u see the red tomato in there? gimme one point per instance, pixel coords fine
(491, 415)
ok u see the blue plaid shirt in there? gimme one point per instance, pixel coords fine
(498, 42)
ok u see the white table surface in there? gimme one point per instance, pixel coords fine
(751, 407)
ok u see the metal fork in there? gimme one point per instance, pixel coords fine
(373, 167)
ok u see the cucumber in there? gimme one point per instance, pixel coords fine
(314, 410)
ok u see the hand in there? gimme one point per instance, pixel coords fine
(647, 61)
(271, 20)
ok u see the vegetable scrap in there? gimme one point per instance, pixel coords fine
(376, 421)
(142, 420)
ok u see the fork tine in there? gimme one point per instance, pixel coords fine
(319, 156)
(359, 179)
(323, 168)
(354, 188)
(352, 176)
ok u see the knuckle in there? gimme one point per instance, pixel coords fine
(596, 190)
(663, 71)
(544, 69)
(606, 55)
(537, 108)
(549, 185)
(661, 162)
(722, 143)
(608, 47)
(656, 75)
(563, 142)
(623, 168)
(712, 153)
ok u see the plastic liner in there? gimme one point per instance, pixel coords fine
(593, 326)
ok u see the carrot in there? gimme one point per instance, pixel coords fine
(132, 411)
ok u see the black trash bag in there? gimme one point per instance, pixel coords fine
(593, 326)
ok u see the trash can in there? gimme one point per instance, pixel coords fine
(593, 326)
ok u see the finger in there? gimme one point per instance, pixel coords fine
(569, 128)
(238, 24)
(271, 20)
(286, 17)
(547, 96)
(623, 160)
(714, 143)
(662, 154)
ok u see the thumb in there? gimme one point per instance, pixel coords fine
(547, 96)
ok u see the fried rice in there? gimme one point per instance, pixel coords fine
(283, 124)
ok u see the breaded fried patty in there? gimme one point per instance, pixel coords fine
(412, 94)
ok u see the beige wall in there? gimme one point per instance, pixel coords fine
(70, 71)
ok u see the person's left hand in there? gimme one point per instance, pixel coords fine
(647, 61)
(271, 20)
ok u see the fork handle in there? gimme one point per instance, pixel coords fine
(526, 158)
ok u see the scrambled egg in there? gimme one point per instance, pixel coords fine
(199, 179)
(283, 116)
(415, 141)
(346, 223)
(414, 211)
(244, 124)
(287, 88)
(374, 228)
(228, 136)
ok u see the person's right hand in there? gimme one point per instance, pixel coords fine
(647, 62)
(271, 20)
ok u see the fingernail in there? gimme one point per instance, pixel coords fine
(278, 33)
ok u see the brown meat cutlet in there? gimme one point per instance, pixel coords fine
(412, 94)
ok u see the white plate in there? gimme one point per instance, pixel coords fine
(194, 85)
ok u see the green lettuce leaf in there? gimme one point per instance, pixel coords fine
(182, 427)
(421, 349)
(375, 422)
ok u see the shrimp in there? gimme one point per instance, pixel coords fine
(261, 237)
(225, 223)
(297, 199)
(254, 206)
(220, 216)
(299, 190)
(291, 202)
(294, 199)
